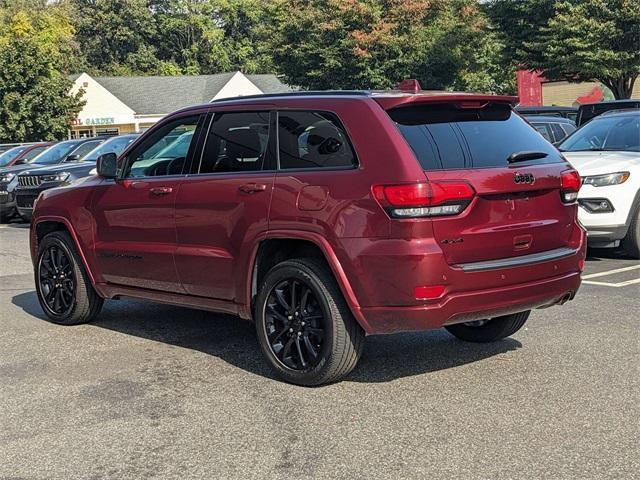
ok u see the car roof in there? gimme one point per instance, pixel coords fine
(626, 112)
(548, 118)
(386, 98)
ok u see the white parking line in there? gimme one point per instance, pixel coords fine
(610, 272)
(615, 285)
(585, 278)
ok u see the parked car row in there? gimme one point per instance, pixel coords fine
(27, 170)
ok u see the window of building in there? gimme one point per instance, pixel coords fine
(236, 142)
(313, 140)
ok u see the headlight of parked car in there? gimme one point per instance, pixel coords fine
(6, 177)
(58, 177)
(606, 180)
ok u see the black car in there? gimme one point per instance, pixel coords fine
(33, 181)
(589, 110)
(554, 129)
(549, 111)
(65, 151)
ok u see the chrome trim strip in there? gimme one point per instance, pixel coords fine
(523, 260)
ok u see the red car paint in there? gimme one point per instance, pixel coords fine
(193, 240)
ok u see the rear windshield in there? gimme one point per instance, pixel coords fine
(445, 137)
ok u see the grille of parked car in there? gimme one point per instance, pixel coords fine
(26, 201)
(29, 180)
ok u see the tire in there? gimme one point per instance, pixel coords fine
(5, 217)
(490, 330)
(631, 242)
(81, 300)
(338, 345)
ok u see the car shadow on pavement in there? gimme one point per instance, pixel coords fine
(385, 358)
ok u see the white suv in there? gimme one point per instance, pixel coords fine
(606, 153)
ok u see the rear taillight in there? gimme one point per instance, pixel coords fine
(424, 199)
(570, 183)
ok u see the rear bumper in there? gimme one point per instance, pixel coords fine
(474, 305)
(388, 270)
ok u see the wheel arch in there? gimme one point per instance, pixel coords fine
(278, 246)
(45, 225)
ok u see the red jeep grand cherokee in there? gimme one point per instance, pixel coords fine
(323, 216)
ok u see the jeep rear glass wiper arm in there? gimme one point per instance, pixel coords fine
(522, 156)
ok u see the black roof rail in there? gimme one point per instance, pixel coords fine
(301, 93)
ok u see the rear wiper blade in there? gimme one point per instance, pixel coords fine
(522, 156)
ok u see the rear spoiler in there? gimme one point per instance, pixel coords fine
(390, 100)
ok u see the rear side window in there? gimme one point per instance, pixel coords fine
(313, 140)
(236, 142)
(468, 137)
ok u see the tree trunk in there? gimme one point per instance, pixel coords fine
(622, 86)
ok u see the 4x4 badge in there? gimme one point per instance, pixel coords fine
(523, 178)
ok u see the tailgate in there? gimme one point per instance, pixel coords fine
(506, 218)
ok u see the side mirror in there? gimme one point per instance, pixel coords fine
(107, 165)
(72, 158)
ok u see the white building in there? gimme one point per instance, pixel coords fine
(117, 105)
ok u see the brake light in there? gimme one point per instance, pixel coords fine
(424, 199)
(570, 183)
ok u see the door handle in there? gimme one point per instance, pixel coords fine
(161, 190)
(252, 187)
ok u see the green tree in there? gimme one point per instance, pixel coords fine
(324, 44)
(574, 40)
(117, 36)
(34, 96)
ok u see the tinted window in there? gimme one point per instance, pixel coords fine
(471, 137)
(236, 142)
(606, 133)
(313, 140)
(568, 128)
(543, 128)
(558, 132)
(164, 152)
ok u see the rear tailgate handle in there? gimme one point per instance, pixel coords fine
(522, 242)
(161, 190)
(252, 187)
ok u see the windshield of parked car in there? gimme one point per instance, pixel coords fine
(7, 157)
(55, 154)
(113, 145)
(615, 133)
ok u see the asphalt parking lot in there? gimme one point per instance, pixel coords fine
(150, 391)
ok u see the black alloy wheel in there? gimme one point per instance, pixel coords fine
(295, 324)
(56, 281)
(305, 328)
(63, 286)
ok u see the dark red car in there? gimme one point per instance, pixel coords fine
(323, 217)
